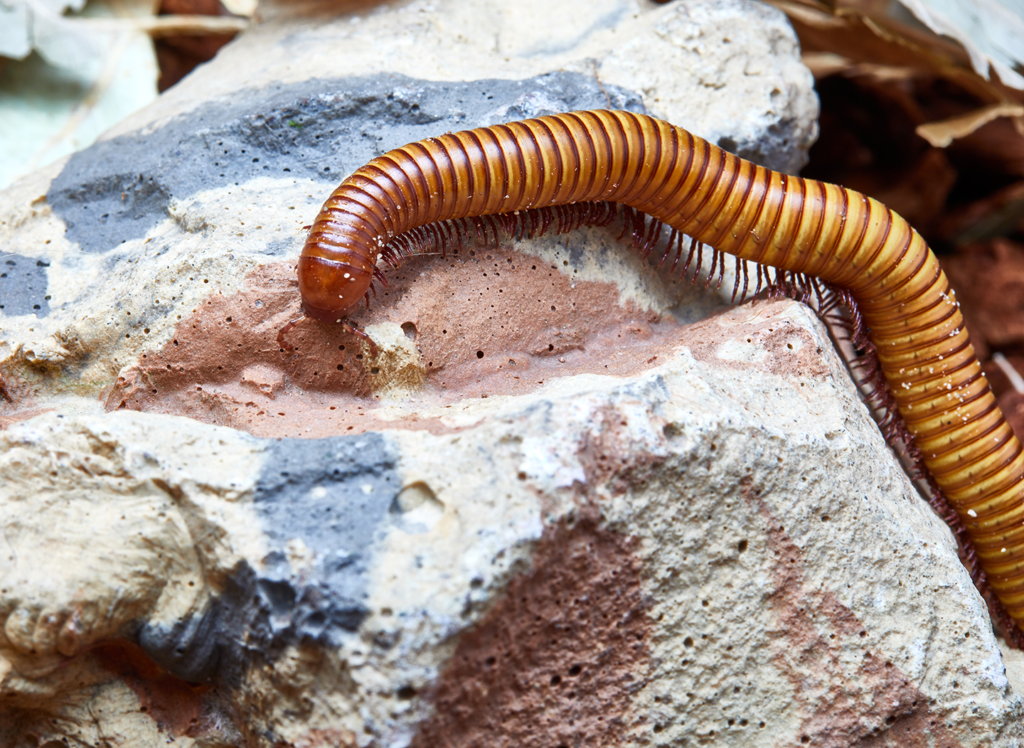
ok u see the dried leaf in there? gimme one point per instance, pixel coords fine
(991, 32)
(997, 148)
(853, 34)
(1014, 377)
(941, 134)
(824, 64)
(161, 26)
(864, 32)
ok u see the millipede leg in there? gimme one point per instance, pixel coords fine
(281, 342)
(360, 333)
(736, 284)
(711, 270)
(700, 260)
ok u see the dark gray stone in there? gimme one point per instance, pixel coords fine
(23, 286)
(334, 495)
(118, 189)
(191, 648)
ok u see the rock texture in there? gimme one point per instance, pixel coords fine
(570, 501)
(669, 557)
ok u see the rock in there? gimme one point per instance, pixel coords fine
(666, 557)
(570, 501)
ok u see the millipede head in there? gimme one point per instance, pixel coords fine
(330, 290)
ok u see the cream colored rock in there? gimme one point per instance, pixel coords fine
(720, 548)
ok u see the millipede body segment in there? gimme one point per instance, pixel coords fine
(850, 242)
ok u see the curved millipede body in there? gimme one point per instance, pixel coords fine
(863, 251)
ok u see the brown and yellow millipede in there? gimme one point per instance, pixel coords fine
(569, 169)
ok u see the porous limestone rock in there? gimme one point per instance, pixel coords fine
(568, 502)
(716, 549)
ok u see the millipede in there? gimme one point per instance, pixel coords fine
(826, 245)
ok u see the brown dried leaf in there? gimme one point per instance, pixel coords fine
(862, 32)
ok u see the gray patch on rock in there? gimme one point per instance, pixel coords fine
(332, 494)
(111, 208)
(329, 496)
(773, 147)
(23, 286)
(191, 648)
(119, 189)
